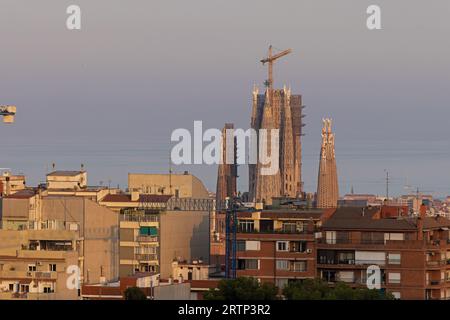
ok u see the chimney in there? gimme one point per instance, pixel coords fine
(423, 211)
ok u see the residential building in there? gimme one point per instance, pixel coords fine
(34, 264)
(411, 252)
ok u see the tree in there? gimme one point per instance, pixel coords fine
(134, 293)
(243, 288)
(317, 289)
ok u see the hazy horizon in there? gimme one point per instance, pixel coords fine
(110, 95)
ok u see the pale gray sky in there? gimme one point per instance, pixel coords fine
(110, 95)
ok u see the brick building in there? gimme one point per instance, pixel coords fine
(413, 253)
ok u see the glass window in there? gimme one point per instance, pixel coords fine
(282, 265)
(282, 245)
(298, 266)
(148, 231)
(394, 258)
(394, 277)
(240, 245)
(251, 264)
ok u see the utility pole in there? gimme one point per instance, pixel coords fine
(387, 185)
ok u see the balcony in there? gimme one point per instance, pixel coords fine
(276, 231)
(147, 238)
(146, 256)
(438, 263)
(139, 218)
(41, 275)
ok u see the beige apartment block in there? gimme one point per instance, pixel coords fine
(34, 264)
(150, 240)
(96, 226)
(74, 180)
(10, 183)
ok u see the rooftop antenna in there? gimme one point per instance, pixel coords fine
(387, 185)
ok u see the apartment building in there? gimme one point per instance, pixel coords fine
(10, 183)
(34, 264)
(412, 252)
(96, 225)
(277, 245)
(155, 230)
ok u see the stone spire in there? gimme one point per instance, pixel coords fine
(227, 172)
(327, 186)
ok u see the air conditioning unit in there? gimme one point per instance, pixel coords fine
(308, 250)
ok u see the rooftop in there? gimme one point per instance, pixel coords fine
(64, 173)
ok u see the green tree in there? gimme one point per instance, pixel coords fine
(134, 293)
(243, 288)
(317, 289)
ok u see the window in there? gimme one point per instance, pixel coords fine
(289, 227)
(246, 226)
(148, 231)
(394, 277)
(298, 266)
(394, 258)
(346, 258)
(48, 290)
(31, 267)
(298, 246)
(282, 265)
(394, 236)
(52, 267)
(251, 264)
(11, 287)
(252, 245)
(248, 264)
(282, 245)
(240, 245)
(330, 237)
(24, 288)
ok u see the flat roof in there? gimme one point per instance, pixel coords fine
(66, 173)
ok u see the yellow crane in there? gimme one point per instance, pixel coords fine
(8, 113)
(270, 60)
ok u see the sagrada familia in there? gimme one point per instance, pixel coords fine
(327, 182)
(282, 110)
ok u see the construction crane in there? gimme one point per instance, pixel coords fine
(270, 60)
(8, 113)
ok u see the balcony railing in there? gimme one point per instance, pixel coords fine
(139, 218)
(147, 238)
(276, 231)
(351, 262)
(437, 263)
(146, 256)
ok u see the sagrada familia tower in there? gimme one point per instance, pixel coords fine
(327, 185)
(227, 172)
(277, 109)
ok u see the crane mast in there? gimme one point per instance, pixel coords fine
(270, 59)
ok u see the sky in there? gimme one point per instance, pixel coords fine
(110, 95)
